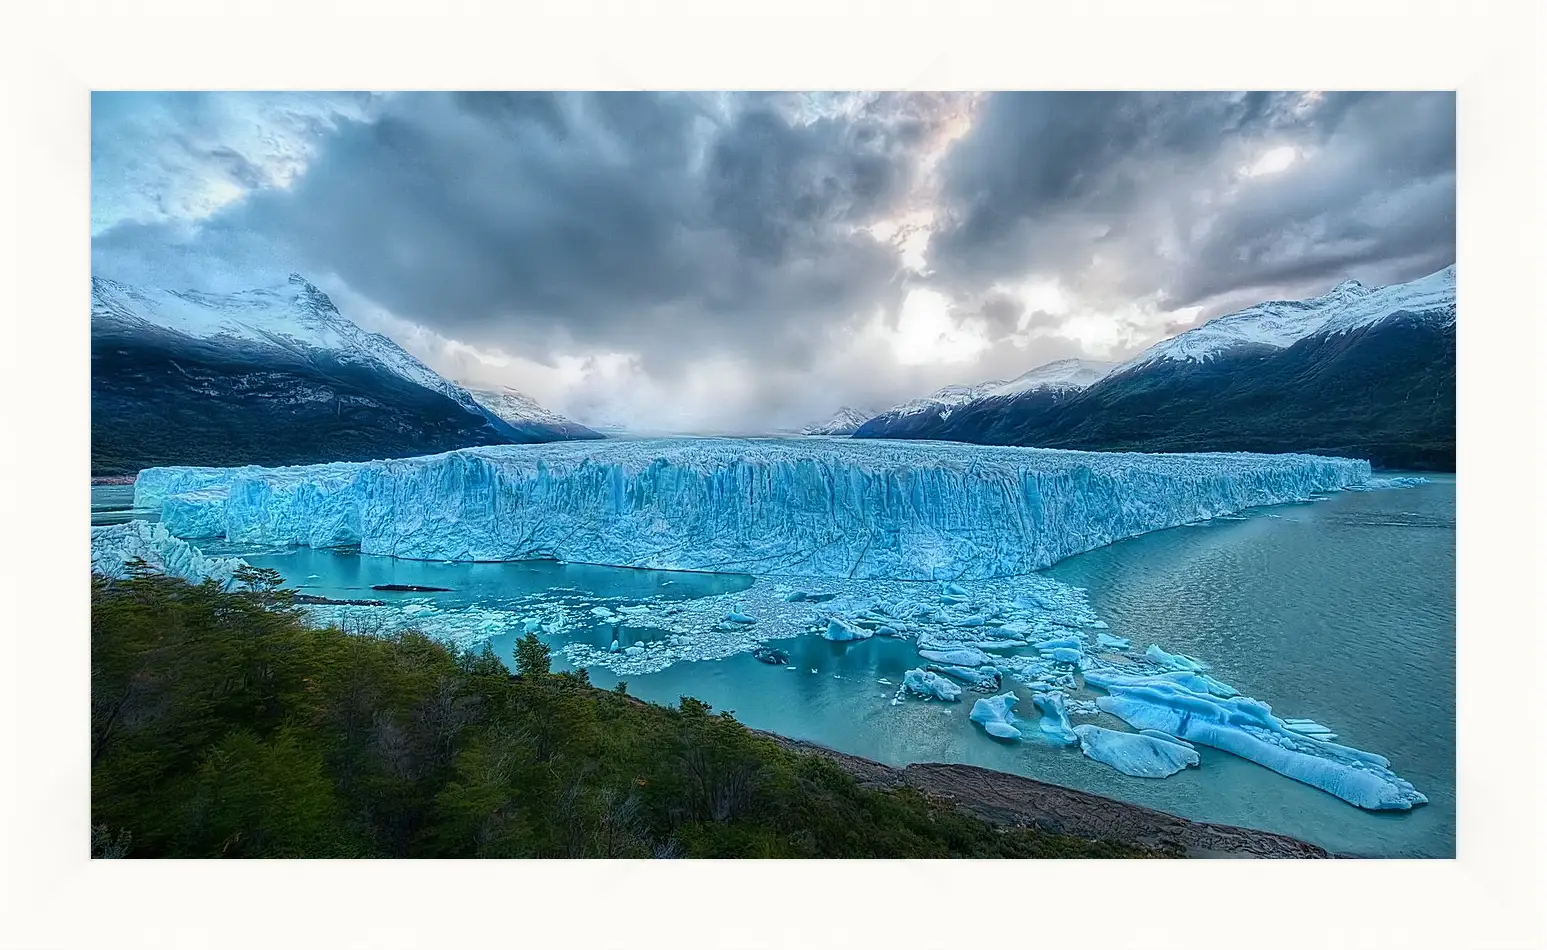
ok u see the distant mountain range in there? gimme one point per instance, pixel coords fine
(1359, 371)
(273, 376)
(929, 417)
(843, 422)
(520, 410)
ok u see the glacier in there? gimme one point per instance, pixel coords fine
(114, 546)
(931, 542)
(845, 509)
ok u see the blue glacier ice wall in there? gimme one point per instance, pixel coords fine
(840, 508)
(114, 546)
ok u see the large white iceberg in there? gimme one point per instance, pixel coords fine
(850, 509)
(1247, 728)
(996, 715)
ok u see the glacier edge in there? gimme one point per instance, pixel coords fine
(863, 509)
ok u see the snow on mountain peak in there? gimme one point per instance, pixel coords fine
(516, 407)
(945, 398)
(843, 422)
(1282, 323)
(295, 316)
(1064, 374)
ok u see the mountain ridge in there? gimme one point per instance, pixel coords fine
(271, 375)
(1367, 372)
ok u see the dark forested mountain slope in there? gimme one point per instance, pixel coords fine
(273, 376)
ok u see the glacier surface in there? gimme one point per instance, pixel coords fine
(845, 509)
(114, 546)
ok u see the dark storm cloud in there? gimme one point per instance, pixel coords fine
(1122, 195)
(719, 245)
(658, 222)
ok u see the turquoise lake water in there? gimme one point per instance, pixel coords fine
(1340, 610)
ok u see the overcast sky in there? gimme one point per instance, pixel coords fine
(742, 262)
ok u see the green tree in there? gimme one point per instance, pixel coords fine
(532, 656)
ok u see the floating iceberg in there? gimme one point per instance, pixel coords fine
(1197, 682)
(1148, 754)
(1174, 661)
(1054, 643)
(1004, 644)
(1398, 481)
(1055, 721)
(985, 679)
(996, 717)
(1309, 727)
(931, 686)
(736, 616)
(1248, 728)
(965, 656)
(114, 546)
(1111, 642)
(848, 509)
(840, 630)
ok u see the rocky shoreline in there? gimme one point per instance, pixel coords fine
(1001, 798)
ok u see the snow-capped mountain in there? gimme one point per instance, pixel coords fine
(274, 375)
(1060, 375)
(295, 316)
(519, 409)
(843, 422)
(1358, 371)
(930, 416)
(943, 400)
(1279, 324)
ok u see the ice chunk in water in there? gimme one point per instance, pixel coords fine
(1144, 755)
(841, 630)
(1067, 642)
(736, 616)
(984, 679)
(1055, 721)
(1248, 728)
(996, 717)
(1111, 642)
(964, 656)
(1197, 682)
(930, 685)
(1174, 661)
